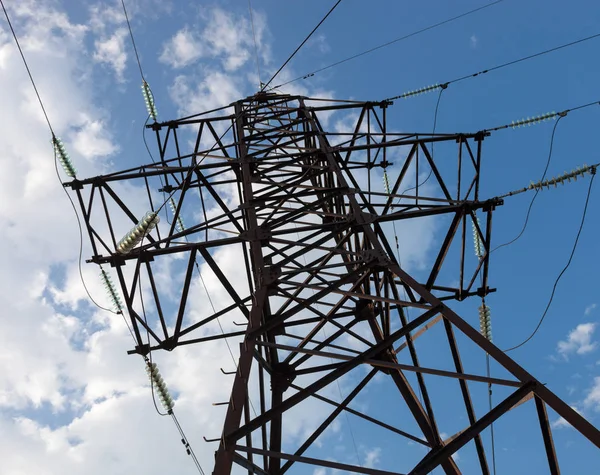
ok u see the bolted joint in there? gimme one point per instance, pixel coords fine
(375, 257)
(364, 310)
(282, 377)
(169, 344)
(386, 355)
(490, 205)
(257, 234)
(271, 274)
(143, 349)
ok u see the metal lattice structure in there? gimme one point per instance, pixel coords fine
(321, 289)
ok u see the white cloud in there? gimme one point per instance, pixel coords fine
(589, 309)
(592, 399)
(372, 457)
(474, 41)
(182, 49)
(225, 37)
(216, 89)
(579, 340)
(111, 50)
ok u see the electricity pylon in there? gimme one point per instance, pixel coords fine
(324, 296)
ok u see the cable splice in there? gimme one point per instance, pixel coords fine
(161, 388)
(138, 232)
(63, 157)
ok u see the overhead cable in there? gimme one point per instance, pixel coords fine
(494, 68)
(414, 33)
(301, 45)
(583, 216)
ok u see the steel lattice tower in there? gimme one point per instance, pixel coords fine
(324, 295)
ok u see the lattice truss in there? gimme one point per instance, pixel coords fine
(325, 313)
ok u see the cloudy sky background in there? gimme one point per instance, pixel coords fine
(71, 400)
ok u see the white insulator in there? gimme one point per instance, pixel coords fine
(485, 321)
(386, 182)
(63, 157)
(160, 386)
(149, 99)
(138, 232)
(477, 240)
(180, 225)
(112, 291)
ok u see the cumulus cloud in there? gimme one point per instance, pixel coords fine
(110, 50)
(225, 37)
(592, 399)
(578, 340)
(182, 49)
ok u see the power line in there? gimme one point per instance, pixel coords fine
(499, 66)
(537, 191)
(422, 30)
(301, 45)
(171, 412)
(80, 243)
(54, 140)
(132, 40)
(587, 199)
(27, 67)
(255, 43)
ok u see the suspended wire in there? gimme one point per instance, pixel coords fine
(587, 199)
(431, 27)
(255, 43)
(187, 445)
(171, 412)
(525, 58)
(536, 192)
(132, 40)
(27, 68)
(54, 140)
(80, 228)
(509, 63)
(301, 45)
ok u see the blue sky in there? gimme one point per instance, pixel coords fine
(69, 391)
